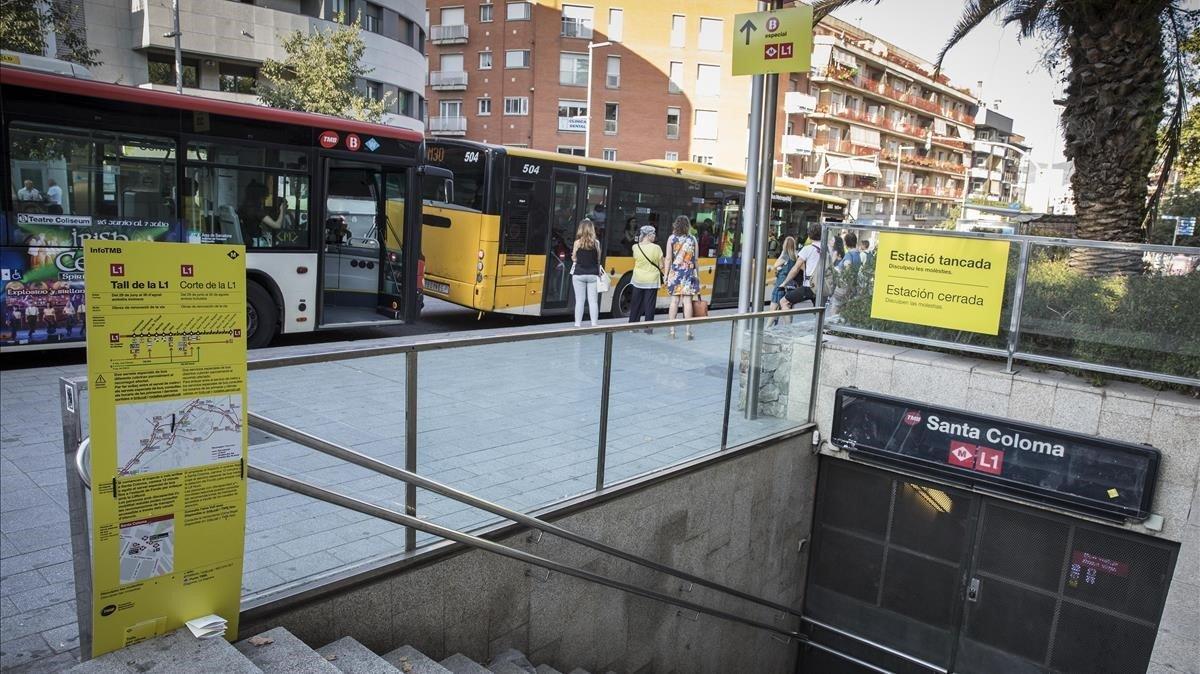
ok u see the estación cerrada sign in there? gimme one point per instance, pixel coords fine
(940, 281)
(1107, 478)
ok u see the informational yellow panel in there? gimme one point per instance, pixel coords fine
(778, 41)
(940, 281)
(166, 350)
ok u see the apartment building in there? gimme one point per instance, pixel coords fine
(871, 116)
(517, 73)
(998, 171)
(224, 42)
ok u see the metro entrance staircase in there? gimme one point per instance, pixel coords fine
(278, 651)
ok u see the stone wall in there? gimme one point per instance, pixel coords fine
(785, 373)
(737, 521)
(1123, 411)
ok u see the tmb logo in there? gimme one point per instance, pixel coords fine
(328, 139)
(108, 610)
(911, 417)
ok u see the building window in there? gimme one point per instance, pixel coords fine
(702, 159)
(616, 24)
(678, 25)
(577, 21)
(453, 63)
(374, 91)
(712, 34)
(516, 105)
(517, 11)
(161, 69)
(572, 116)
(675, 77)
(516, 58)
(485, 60)
(485, 106)
(708, 80)
(573, 69)
(485, 13)
(610, 154)
(705, 127)
(672, 123)
(453, 16)
(612, 72)
(338, 11)
(569, 149)
(671, 156)
(238, 79)
(450, 108)
(610, 117)
(372, 17)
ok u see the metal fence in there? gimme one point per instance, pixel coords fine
(1143, 325)
(526, 421)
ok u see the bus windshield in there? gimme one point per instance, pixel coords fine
(467, 165)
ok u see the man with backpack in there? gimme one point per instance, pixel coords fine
(808, 261)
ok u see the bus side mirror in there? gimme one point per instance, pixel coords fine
(438, 172)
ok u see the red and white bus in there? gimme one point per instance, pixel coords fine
(319, 202)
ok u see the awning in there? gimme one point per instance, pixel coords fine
(852, 166)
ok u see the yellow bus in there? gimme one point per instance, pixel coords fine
(498, 237)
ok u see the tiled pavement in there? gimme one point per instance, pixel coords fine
(514, 423)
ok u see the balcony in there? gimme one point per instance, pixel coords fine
(449, 34)
(447, 80)
(925, 162)
(853, 78)
(448, 126)
(826, 144)
(798, 145)
(864, 184)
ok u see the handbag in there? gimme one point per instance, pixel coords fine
(699, 308)
(603, 282)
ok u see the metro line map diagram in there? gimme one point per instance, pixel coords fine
(173, 434)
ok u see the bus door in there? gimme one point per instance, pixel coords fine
(729, 256)
(576, 195)
(362, 260)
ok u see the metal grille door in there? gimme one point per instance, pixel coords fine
(910, 575)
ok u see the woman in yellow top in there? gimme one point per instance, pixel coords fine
(647, 275)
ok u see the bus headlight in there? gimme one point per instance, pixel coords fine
(479, 278)
(481, 255)
(479, 266)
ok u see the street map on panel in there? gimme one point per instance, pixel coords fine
(173, 434)
(147, 548)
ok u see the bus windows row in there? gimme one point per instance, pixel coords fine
(68, 184)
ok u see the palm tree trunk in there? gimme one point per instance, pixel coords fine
(1116, 86)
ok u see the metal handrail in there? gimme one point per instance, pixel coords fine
(344, 501)
(81, 464)
(1041, 240)
(346, 454)
(873, 644)
(462, 342)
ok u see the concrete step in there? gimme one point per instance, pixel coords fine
(511, 661)
(579, 671)
(546, 669)
(178, 651)
(461, 664)
(285, 654)
(351, 657)
(411, 661)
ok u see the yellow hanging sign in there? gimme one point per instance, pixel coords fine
(940, 281)
(778, 41)
(166, 351)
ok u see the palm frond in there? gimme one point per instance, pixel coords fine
(973, 14)
(1027, 14)
(822, 8)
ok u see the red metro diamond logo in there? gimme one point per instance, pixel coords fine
(975, 457)
(962, 454)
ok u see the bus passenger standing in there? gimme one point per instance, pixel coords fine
(647, 276)
(683, 285)
(585, 272)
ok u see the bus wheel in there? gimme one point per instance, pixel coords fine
(262, 316)
(622, 299)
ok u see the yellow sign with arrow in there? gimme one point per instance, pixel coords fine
(778, 41)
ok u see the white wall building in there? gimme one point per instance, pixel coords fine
(1050, 188)
(225, 41)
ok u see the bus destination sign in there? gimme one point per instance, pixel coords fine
(1101, 477)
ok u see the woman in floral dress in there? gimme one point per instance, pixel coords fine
(683, 283)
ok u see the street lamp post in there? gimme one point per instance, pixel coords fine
(896, 187)
(587, 116)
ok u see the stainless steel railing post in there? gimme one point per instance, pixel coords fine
(71, 401)
(733, 362)
(1014, 329)
(410, 444)
(605, 386)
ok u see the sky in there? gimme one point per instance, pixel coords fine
(1011, 70)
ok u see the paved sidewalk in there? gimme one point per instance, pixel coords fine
(514, 423)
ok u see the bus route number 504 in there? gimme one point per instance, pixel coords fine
(531, 169)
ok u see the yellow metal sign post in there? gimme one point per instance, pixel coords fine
(778, 41)
(166, 351)
(943, 282)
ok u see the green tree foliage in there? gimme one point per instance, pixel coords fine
(25, 24)
(1188, 163)
(319, 75)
